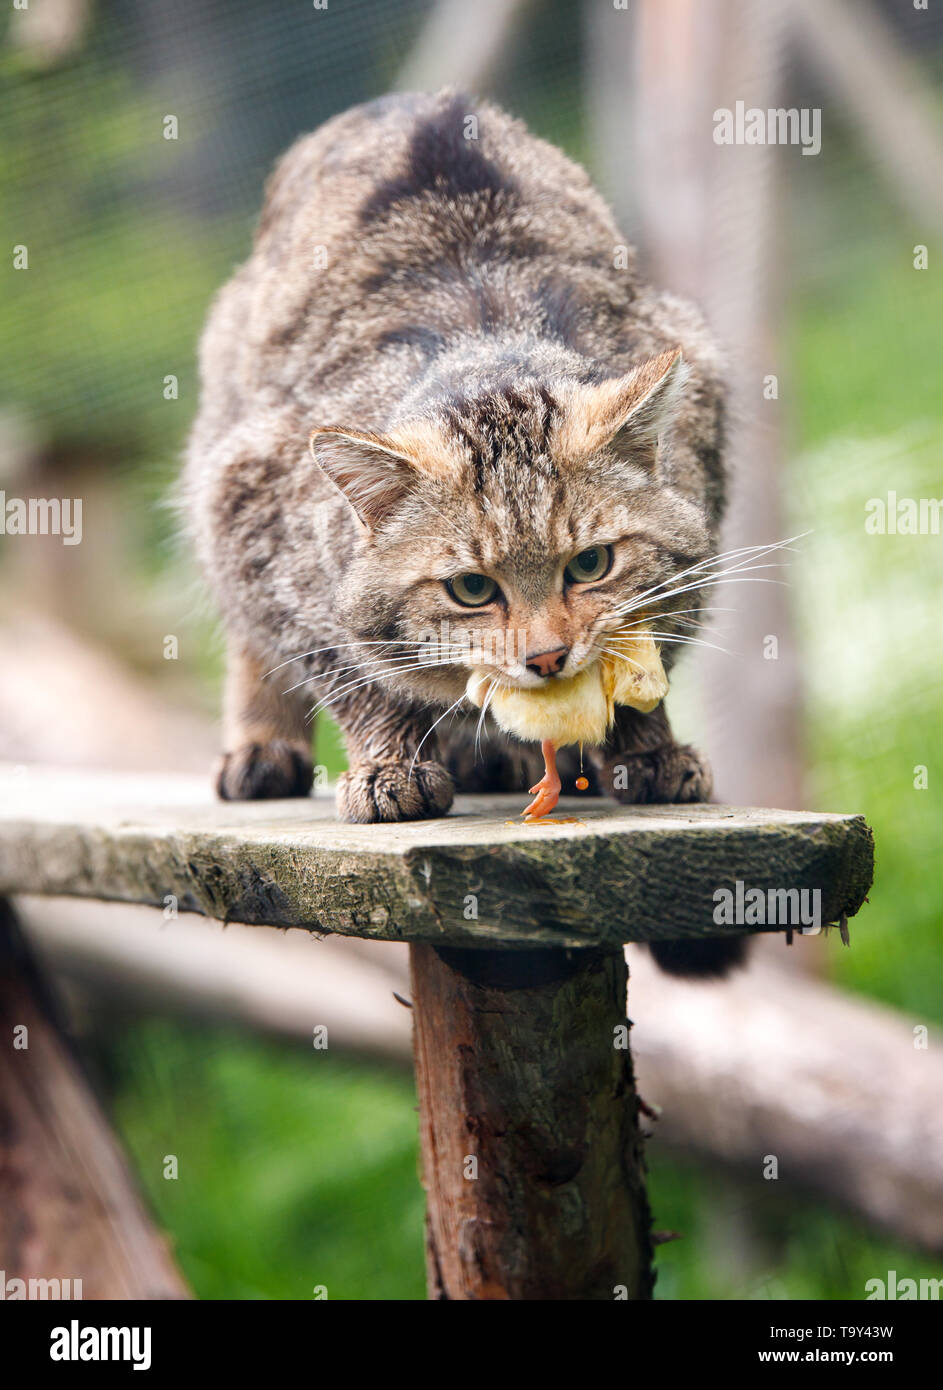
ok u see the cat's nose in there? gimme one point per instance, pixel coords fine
(548, 663)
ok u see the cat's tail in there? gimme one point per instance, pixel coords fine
(710, 959)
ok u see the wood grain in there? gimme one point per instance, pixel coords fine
(532, 1160)
(478, 877)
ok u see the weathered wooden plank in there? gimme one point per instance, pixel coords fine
(478, 877)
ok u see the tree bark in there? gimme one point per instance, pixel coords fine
(531, 1152)
(68, 1206)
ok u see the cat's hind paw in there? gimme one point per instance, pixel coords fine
(394, 791)
(264, 771)
(671, 773)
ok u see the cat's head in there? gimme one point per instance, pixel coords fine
(514, 530)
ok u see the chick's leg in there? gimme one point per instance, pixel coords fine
(546, 792)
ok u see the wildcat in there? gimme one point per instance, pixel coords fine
(439, 398)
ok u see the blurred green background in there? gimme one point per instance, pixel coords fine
(302, 1172)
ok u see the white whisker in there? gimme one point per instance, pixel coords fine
(676, 613)
(682, 639)
(451, 707)
(489, 695)
(704, 581)
(392, 664)
(744, 552)
(361, 683)
(358, 642)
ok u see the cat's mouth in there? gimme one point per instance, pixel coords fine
(577, 663)
(526, 680)
(579, 708)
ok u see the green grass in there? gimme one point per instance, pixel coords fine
(872, 421)
(296, 1167)
(297, 1170)
(753, 1238)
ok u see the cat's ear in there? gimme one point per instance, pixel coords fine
(372, 473)
(629, 412)
(646, 401)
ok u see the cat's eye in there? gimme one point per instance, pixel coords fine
(589, 565)
(472, 590)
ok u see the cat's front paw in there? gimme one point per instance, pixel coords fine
(394, 791)
(668, 773)
(264, 771)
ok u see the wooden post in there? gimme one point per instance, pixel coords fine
(532, 1158)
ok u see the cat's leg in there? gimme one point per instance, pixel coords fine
(386, 781)
(266, 739)
(641, 762)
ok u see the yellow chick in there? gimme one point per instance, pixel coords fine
(574, 710)
(636, 677)
(580, 708)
